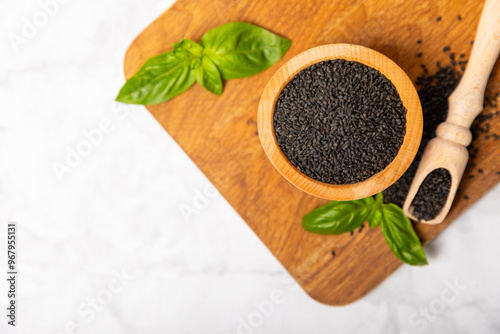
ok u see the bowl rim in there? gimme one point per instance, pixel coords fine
(377, 182)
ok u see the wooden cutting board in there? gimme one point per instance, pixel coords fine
(219, 132)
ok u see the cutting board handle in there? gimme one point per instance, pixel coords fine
(466, 102)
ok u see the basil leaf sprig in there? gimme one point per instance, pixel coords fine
(231, 51)
(338, 217)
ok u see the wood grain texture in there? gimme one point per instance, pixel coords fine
(369, 57)
(220, 133)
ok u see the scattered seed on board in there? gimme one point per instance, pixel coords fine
(438, 19)
(434, 90)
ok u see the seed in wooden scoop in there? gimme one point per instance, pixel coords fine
(432, 195)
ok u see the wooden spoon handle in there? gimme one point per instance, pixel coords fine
(466, 102)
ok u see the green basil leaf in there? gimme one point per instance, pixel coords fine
(241, 49)
(208, 76)
(375, 216)
(189, 46)
(163, 76)
(338, 217)
(400, 235)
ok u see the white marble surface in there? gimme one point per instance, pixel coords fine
(118, 210)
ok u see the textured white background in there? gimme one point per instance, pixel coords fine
(118, 210)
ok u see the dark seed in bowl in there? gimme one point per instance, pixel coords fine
(339, 121)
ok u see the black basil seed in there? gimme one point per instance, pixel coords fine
(432, 195)
(433, 90)
(339, 121)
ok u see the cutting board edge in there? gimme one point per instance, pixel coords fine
(310, 292)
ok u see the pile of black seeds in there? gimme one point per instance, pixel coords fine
(397, 192)
(432, 195)
(339, 121)
(434, 90)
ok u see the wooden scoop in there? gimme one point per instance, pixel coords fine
(375, 183)
(448, 150)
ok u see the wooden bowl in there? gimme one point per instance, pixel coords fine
(376, 182)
